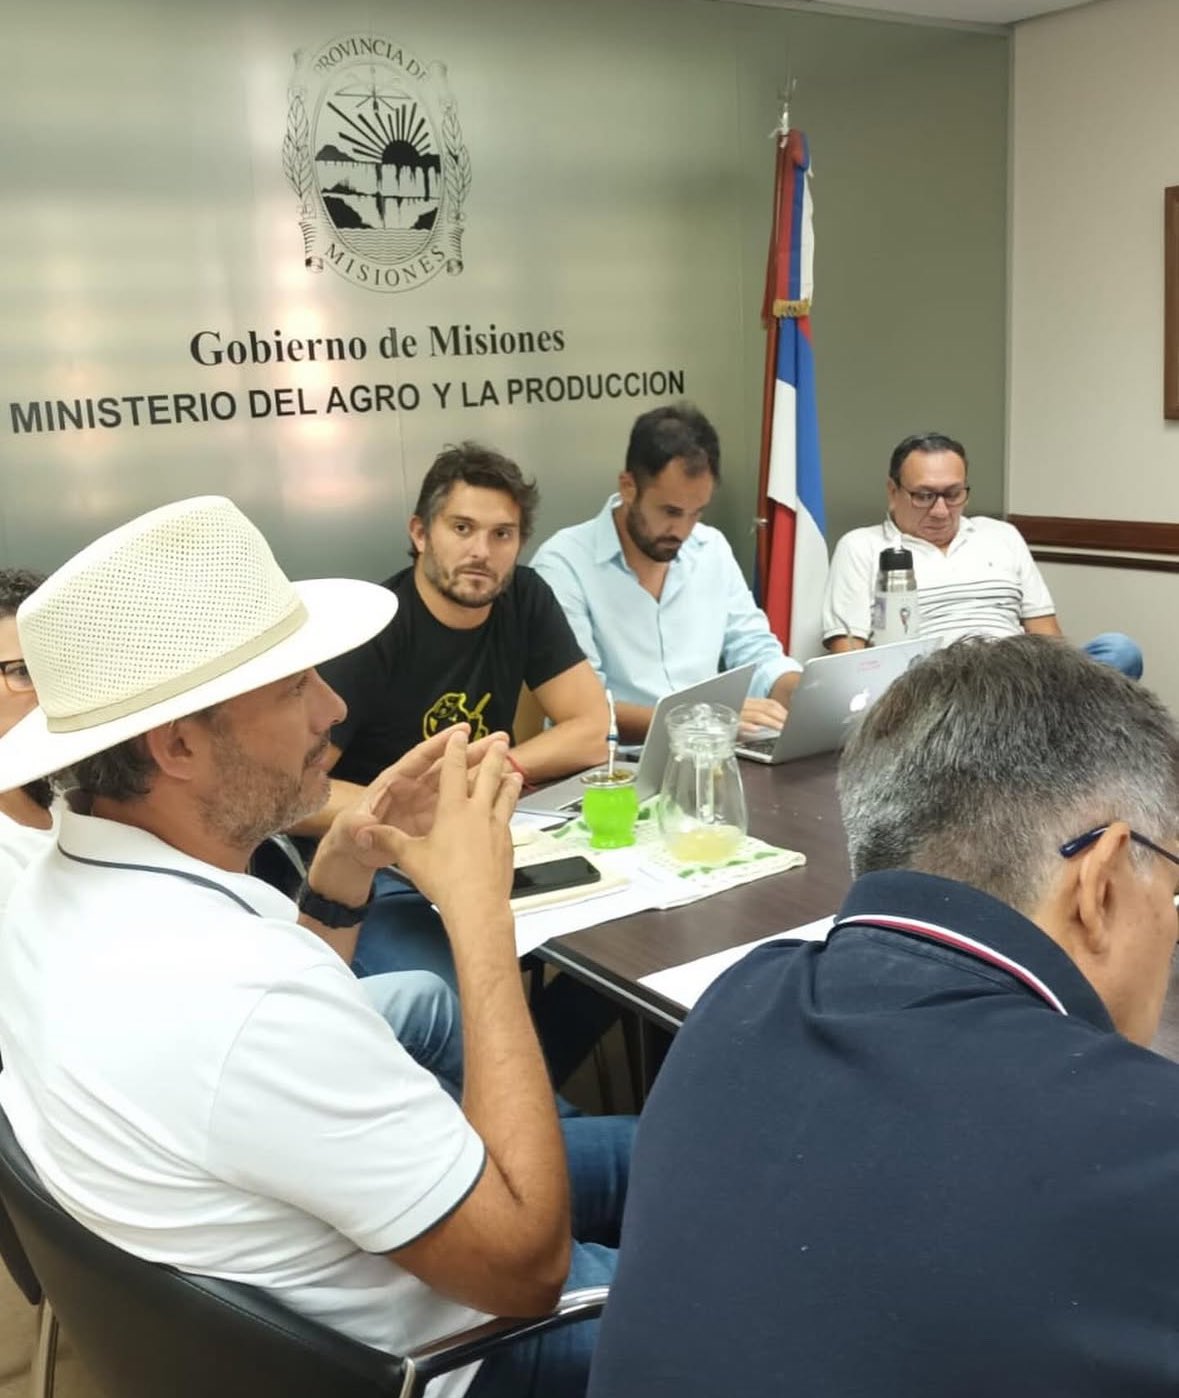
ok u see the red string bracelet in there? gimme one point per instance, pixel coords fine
(515, 766)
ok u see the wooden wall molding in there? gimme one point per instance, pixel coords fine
(1106, 560)
(1125, 536)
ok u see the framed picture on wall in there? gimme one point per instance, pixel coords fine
(1171, 302)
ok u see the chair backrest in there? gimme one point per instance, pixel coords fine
(529, 717)
(143, 1329)
(278, 861)
(13, 1256)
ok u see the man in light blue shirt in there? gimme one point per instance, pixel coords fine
(655, 598)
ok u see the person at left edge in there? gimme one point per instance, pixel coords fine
(471, 628)
(29, 815)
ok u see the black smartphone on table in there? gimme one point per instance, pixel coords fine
(553, 875)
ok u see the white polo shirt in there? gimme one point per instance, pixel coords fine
(200, 1080)
(985, 584)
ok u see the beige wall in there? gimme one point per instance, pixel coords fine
(908, 131)
(1095, 139)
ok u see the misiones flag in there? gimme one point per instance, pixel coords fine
(792, 553)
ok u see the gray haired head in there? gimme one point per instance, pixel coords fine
(984, 758)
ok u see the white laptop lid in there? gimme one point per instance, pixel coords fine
(729, 687)
(834, 692)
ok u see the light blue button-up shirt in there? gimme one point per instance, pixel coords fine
(642, 648)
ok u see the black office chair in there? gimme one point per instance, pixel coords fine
(279, 861)
(12, 1254)
(144, 1330)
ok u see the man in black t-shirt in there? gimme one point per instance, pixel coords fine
(422, 674)
(471, 628)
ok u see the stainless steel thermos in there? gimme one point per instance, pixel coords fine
(896, 615)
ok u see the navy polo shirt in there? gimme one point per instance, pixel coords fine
(903, 1163)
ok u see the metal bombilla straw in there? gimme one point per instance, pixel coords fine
(611, 738)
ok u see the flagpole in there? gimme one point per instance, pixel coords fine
(770, 321)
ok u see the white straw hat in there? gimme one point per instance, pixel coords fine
(179, 609)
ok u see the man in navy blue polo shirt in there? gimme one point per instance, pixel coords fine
(934, 1155)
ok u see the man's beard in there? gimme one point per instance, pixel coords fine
(446, 583)
(255, 801)
(659, 550)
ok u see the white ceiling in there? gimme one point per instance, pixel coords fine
(961, 11)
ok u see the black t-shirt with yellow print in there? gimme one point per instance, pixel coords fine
(417, 675)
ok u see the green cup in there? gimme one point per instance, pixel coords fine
(610, 807)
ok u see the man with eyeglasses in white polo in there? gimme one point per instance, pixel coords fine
(975, 576)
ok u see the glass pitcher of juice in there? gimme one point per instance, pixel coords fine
(701, 807)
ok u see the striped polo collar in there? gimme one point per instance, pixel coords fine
(970, 923)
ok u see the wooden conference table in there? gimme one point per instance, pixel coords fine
(792, 805)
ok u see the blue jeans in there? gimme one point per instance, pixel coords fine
(556, 1365)
(1117, 651)
(402, 932)
(423, 1012)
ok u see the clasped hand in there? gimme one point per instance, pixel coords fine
(441, 813)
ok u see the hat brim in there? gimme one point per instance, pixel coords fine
(342, 613)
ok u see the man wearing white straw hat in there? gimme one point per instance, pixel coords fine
(195, 1074)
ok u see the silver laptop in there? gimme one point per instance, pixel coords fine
(730, 687)
(832, 694)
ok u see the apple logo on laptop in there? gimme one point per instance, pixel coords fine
(859, 702)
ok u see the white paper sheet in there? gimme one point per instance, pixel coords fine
(639, 895)
(687, 983)
(655, 880)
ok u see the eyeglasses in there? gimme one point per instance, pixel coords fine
(1075, 846)
(17, 679)
(927, 499)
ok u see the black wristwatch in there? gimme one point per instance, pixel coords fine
(328, 910)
